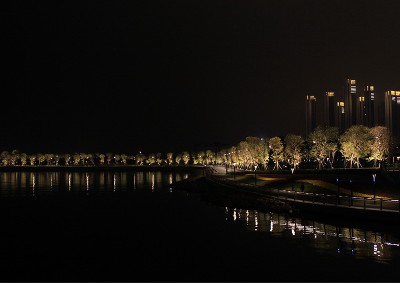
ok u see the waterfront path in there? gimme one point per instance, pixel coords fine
(296, 198)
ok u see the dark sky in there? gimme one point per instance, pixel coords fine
(124, 76)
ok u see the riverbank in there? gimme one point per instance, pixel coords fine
(234, 194)
(86, 168)
(226, 195)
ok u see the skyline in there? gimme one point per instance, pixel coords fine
(167, 76)
(361, 105)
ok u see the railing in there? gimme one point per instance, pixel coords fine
(365, 203)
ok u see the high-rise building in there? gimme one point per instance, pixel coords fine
(392, 112)
(361, 114)
(350, 100)
(369, 94)
(329, 109)
(311, 115)
(340, 116)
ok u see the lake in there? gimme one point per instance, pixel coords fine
(132, 226)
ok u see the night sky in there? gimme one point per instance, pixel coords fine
(124, 76)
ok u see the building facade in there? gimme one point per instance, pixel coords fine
(350, 100)
(340, 117)
(361, 112)
(392, 113)
(329, 109)
(369, 95)
(311, 114)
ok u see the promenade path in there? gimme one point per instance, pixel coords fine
(357, 201)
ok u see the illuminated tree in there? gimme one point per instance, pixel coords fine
(170, 158)
(41, 158)
(355, 144)
(13, 159)
(102, 158)
(186, 157)
(379, 146)
(200, 157)
(140, 158)
(83, 157)
(245, 155)
(67, 159)
(5, 157)
(210, 157)
(77, 159)
(32, 159)
(109, 157)
(264, 153)
(276, 146)
(124, 159)
(57, 159)
(293, 149)
(49, 158)
(158, 158)
(117, 159)
(323, 143)
(178, 159)
(23, 158)
(90, 158)
(151, 159)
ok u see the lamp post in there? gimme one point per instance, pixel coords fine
(374, 179)
(292, 170)
(338, 191)
(234, 172)
(255, 175)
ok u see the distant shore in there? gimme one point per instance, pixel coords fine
(83, 168)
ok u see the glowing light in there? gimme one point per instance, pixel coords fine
(115, 183)
(152, 182)
(69, 182)
(33, 184)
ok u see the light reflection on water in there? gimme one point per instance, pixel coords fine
(380, 246)
(37, 183)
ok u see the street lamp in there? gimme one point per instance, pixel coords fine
(374, 180)
(338, 191)
(292, 170)
(234, 167)
(255, 175)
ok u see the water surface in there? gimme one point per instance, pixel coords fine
(127, 226)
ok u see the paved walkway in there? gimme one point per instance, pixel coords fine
(358, 201)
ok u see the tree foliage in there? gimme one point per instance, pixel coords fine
(323, 143)
(379, 146)
(355, 144)
(293, 149)
(276, 146)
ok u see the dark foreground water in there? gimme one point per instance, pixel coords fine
(134, 227)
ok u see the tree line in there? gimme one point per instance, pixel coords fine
(324, 147)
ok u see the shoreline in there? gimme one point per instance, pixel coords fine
(230, 195)
(80, 168)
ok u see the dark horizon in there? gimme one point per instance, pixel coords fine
(167, 76)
